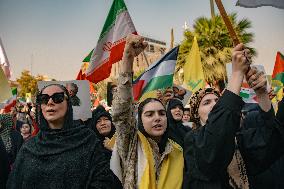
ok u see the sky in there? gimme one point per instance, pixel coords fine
(52, 37)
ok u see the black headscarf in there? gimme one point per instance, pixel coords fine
(95, 120)
(177, 130)
(164, 139)
(70, 157)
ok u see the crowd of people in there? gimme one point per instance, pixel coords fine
(215, 142)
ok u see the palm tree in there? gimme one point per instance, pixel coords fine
(215, 44)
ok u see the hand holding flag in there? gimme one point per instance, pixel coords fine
(257, 81)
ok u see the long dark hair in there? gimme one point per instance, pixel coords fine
(164, 139)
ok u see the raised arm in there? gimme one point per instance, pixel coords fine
(261, 141)
(122, 113)
(211, 147)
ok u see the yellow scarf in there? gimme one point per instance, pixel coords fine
(171, 175)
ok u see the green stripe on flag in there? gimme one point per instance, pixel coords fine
(14, 91)
(244, 95)
(279, 77)
(88, 58)
(116, 8)
(160, 82)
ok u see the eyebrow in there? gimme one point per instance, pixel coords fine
(211, 99)
(151, 111)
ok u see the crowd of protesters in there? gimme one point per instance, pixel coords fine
(215, 142)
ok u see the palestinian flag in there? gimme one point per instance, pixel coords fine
(158, 76)
(110, 45)
(278, 71)
(248, 95)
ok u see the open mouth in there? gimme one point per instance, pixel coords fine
(158, 126)
(50, 110)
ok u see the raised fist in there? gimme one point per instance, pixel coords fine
(134, 45)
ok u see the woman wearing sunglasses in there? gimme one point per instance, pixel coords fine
(63, 154)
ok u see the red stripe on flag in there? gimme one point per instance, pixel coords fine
(11, 104)
(117, 51)
(81, 76)
(279, 65)
(137, 89)
(101, 73)
(245, 85)
(104, 70)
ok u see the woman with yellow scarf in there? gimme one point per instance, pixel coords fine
(142, 157)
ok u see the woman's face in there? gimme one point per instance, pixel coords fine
(54, 112)
(177, 113)
(186, 116)
(103, 125)
(206, 105)
(154, 119)
(25, 129)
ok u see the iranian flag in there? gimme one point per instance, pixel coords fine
(82, 76)
(278, 71)
(11, 102)
(110, 45)
(82, 73)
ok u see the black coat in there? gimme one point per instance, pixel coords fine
(4, 166)
(261, 143)
(17, 141)
(70, 157)
(176, 129)
(209, 150)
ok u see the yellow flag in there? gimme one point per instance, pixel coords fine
(28, 97)
(5, 93)
(193, 72)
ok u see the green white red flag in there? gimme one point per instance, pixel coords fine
(278, 71)
(110, 45)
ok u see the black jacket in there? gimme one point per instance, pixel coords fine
(4, 166)
(261, 143)
(209, 150)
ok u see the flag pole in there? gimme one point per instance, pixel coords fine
(228, 23)
(172, 38)
(212, 9)
(145, 58)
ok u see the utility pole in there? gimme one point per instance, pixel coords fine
(212, 9)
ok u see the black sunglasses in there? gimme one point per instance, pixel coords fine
(57, 98)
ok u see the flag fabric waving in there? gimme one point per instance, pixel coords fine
(111, 42)
(158, 76)
(5, 87)
(4, 61)
(278, 71)
(82, 73)
(193, 72)
(82, 76)
(259, 3)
